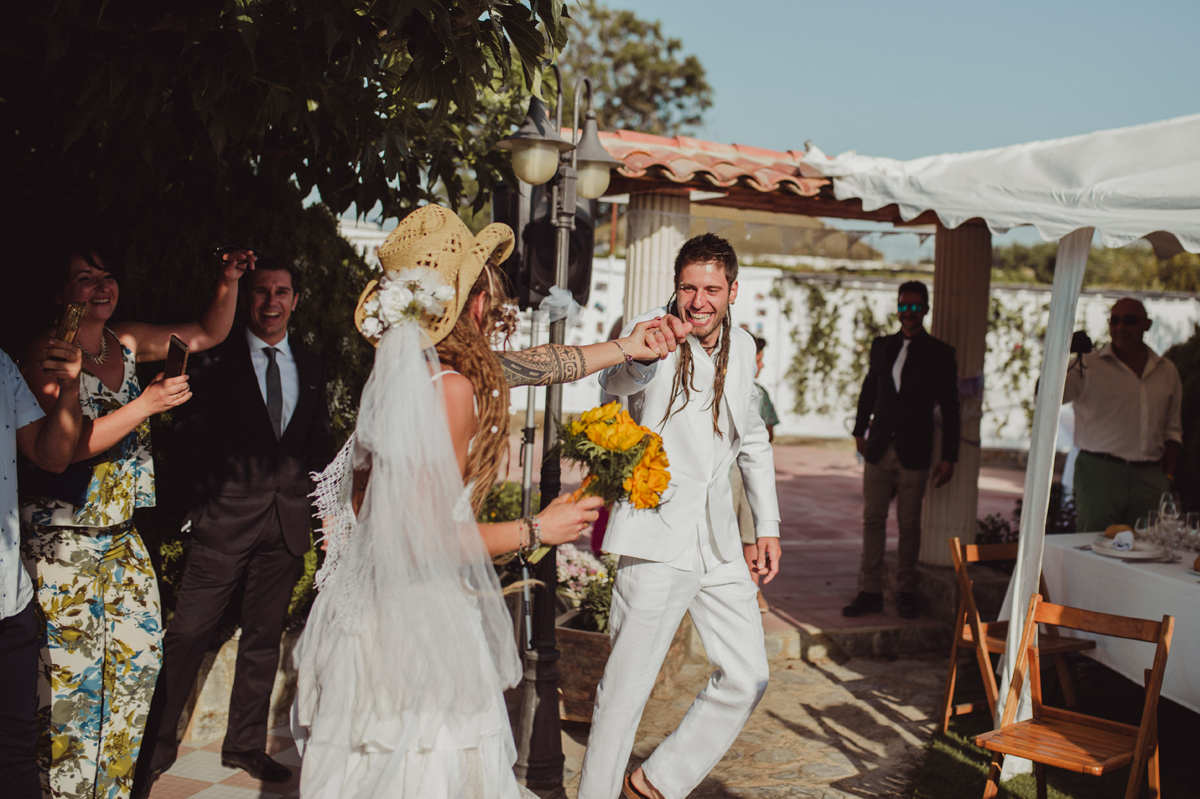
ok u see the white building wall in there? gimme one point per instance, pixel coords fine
(765, 294)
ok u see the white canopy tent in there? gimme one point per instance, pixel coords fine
(1128, 183)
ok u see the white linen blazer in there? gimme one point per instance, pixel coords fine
(699, 493)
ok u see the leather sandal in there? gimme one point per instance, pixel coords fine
(630, 792)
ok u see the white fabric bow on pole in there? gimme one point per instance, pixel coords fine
(559, 304)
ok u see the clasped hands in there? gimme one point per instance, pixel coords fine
(654, 339)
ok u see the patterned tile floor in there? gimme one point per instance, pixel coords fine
(198, 774)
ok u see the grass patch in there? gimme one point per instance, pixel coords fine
(954, 768)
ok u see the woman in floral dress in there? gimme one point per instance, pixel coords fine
(96, 589)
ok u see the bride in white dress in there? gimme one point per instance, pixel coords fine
(409, 645)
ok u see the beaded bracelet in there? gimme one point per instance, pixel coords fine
(628, 357)
(535, 533)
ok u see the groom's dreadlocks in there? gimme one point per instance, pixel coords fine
(703, 249)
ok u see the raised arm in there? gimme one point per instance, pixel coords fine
(150, 342)
(49, 441)
(646, 342)
(99, 435)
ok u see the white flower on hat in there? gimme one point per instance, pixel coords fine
(371, 326)
(394, 302)
(405, 295)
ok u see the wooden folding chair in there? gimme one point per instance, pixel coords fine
(1074, 741)
(988, 638)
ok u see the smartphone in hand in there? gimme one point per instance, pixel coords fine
(177, 353)
(68, 326)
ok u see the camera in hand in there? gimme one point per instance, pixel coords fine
(1081, 342)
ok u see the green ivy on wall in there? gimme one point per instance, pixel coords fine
(1015, 339)
(827, 370)
(817, 354)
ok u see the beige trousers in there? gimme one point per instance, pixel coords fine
(880, 481)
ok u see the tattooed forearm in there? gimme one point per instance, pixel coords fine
(543, 365)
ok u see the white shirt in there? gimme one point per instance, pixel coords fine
(289, 376)
(18, 407)
(1121, 414)
(898, 366)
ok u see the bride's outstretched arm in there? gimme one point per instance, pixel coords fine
(651, 340)
(560, 523)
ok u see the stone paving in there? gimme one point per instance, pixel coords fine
(823, 731)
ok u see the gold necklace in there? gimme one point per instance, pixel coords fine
(103, 356)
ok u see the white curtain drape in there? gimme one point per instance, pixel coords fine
(1073, 252)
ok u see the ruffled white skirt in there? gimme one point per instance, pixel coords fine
(450, 755)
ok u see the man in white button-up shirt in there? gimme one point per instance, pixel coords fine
(49, 442)
(1127, 424)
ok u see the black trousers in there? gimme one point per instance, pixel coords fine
(210, 579)
(19, 647)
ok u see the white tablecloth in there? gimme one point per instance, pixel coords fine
(1086, 580)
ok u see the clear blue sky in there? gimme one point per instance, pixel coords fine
(920, 78)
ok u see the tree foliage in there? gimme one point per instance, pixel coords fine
(1125, 267)
(369, 101)
(642, 80)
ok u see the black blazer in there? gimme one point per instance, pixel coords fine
(930, 376)
(237, 476)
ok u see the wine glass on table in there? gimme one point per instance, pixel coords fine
(1169, 505)
(1141, 529)
(1192, 525)
(1154, 527)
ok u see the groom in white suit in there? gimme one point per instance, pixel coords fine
(687, 555)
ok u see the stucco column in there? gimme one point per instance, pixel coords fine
(656, 227)
(962, 275)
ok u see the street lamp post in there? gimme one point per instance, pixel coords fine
(583, 168)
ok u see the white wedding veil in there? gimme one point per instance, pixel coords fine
(409, 635)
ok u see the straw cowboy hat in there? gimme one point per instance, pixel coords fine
(435, 238)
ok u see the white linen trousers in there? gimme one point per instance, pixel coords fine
(649, 600)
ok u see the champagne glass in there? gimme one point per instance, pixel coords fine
(1168, 506)
(1171, 529)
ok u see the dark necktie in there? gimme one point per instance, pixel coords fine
(274, 392)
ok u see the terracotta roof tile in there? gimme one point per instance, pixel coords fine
(682, 159)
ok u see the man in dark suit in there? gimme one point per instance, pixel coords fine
(257, 425)
(910, 371)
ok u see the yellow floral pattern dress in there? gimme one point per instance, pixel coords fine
(98, 601)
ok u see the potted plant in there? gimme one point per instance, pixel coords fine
(585, 588)
(585, 585)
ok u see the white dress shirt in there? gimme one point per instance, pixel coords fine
(289, 376)
(18, 407)
(1121, 414)
(898, 366)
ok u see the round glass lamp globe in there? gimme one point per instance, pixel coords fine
(534, 162)
(593, 179)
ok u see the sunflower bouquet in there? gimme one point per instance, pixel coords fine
(625, 461)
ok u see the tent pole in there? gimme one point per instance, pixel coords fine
(1073, 252)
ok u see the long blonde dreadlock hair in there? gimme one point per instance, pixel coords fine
(467, 349)
(703, 249)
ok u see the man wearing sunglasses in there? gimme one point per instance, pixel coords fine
(910, 371)
(1127, 424)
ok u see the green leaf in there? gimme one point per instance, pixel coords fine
(551, 12)
(529, 41)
